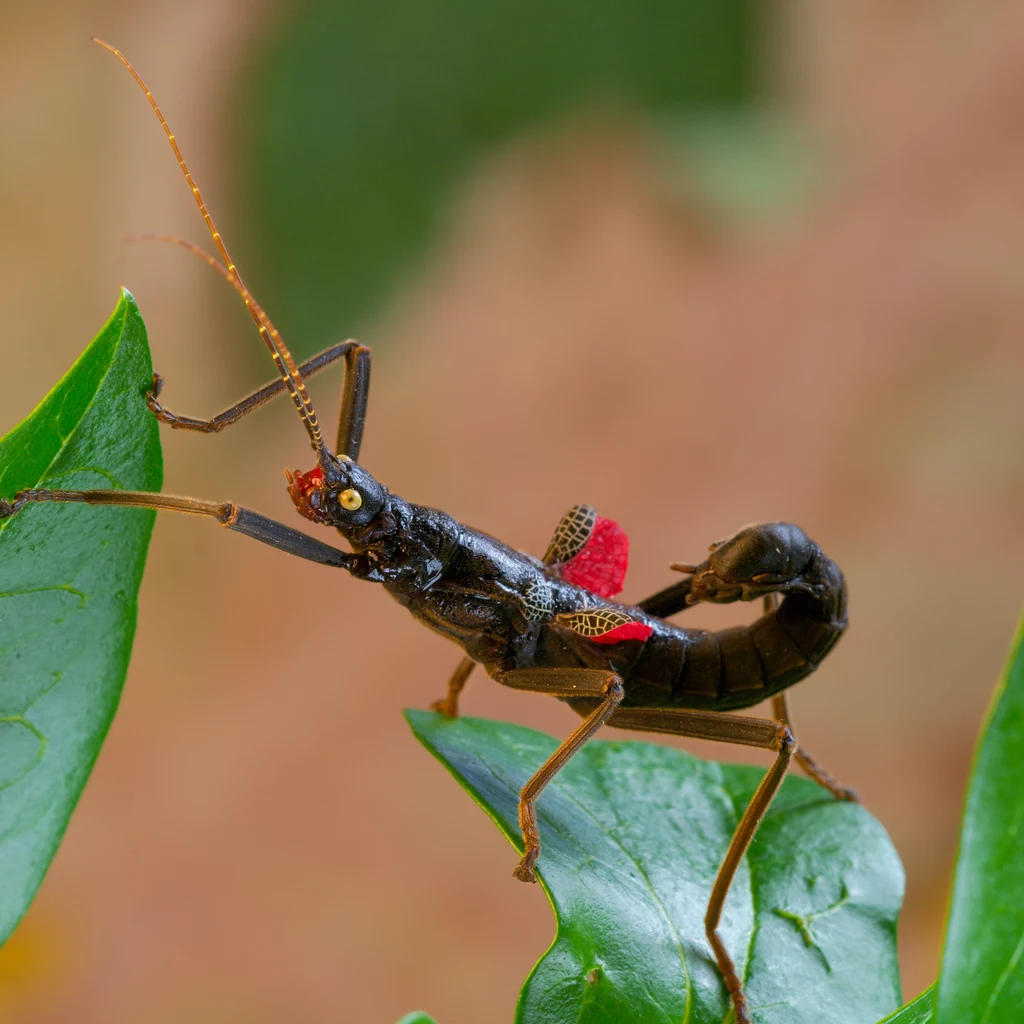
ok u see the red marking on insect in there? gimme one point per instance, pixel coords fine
(627, 631)
(306, 490)
(601, 566)
(604, 625)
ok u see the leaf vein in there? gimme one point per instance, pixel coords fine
(1002, 980)
(82, 597)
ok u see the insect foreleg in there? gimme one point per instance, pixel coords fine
(354, 394)
(248, 404)
(234, 517)
(754, 732)
(558, 682)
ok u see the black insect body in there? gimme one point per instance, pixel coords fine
(547, 625)
(512, 612)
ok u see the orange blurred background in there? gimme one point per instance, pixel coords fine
(262, 839)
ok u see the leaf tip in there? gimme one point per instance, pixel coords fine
(423, 723)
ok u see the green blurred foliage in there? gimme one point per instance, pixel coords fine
(358, 120)
(982, 977)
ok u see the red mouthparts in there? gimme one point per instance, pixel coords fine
(306, 490)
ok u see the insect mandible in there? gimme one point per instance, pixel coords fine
(547, 625)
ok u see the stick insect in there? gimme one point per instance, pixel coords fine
(547, 625)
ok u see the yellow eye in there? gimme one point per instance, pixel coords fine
(350, 499)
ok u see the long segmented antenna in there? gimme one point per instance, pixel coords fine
(275, 343)
(212, 261)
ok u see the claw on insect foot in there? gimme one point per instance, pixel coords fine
(10, 508)
(524, 872)
(443, 706)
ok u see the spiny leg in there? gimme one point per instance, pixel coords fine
(248, 404)
(448, 705)
(234, 517)
(558, 682)
(753, 732)
(781, 711)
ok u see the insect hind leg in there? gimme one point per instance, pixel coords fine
(808, 763)
(752, 732)
(780, 709)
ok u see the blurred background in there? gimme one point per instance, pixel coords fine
(696, 264)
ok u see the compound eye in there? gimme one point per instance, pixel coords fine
(351, 499)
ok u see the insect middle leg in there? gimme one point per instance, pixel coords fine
(558, 682)
(448, 705)
(753, 732)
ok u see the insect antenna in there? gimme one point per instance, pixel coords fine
(275, 343)
(208, 259)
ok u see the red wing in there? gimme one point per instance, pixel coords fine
(601, 566)
(590, 552)
(604, 625)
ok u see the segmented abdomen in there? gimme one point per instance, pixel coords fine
(740, 666)
(737, 667)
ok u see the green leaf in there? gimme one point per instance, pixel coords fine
(69, 577)
(918, 1011)
(418, 1017)
(632, 836)
(982, 977)
(360, 120)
